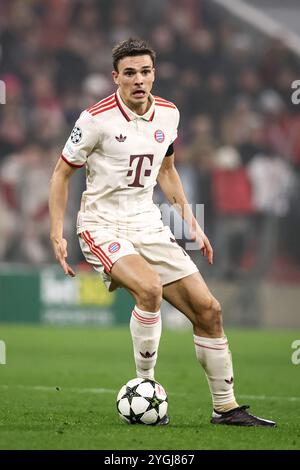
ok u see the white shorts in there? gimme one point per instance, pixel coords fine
(104, 246)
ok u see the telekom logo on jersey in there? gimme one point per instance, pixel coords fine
(137, 161)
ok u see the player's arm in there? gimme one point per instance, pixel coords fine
(58, 197)
(170, 183)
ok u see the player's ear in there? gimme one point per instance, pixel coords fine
(115, 76)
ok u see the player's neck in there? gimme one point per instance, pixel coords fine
(139, 108)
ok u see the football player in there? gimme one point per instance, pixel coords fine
(126, 143)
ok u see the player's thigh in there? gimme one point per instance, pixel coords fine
(136, 274)
(190, 295)
(168, 259)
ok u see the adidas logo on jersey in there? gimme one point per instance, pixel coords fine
(121, 138)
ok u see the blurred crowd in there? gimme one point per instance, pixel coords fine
(238, 150)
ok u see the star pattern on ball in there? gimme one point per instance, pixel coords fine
(142, 401)
(131, 393)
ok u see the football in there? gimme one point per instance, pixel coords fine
(142, 401)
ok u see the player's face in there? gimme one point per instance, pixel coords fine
(135, 78)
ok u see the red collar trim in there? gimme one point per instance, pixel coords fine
(124, 112)
(121, 108)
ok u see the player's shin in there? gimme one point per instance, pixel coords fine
(215, 357)
(145, 330)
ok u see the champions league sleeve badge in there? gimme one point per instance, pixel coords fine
(76, 135)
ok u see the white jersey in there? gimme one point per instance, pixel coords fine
(122, 152)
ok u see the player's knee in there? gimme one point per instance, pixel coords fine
(150, 294)
(209, 316)
(217, 314)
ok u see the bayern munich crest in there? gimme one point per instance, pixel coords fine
(159, 136)
(76, 135)
(113, 247)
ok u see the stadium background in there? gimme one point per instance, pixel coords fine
(238, 150)
(230, 72)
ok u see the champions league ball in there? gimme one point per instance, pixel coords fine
(142, 401)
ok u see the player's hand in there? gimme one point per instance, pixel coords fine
(60, 250)
(199, 237)
(207, 250)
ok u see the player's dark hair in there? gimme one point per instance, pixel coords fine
(131, 47)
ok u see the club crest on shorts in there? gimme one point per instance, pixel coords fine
(113, 247)
(76, 135)
(159, 136)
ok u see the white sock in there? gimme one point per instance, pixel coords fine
(145, 328)
(215, 358)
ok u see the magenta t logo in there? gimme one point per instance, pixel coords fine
(138, 169)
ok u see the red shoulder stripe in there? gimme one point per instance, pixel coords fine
(108, 98)
(100, 105)
(104, 108)
(162, 100)
(157, 98)
(166, 105)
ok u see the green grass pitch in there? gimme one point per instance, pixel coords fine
(59, 386)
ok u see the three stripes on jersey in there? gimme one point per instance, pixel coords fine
(111, 102)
